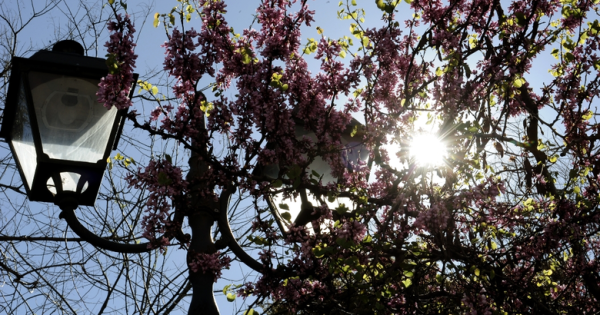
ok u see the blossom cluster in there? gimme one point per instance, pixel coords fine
(210, 263)
(113, 90)
(165, 183)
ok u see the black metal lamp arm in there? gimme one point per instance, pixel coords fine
(68, 213)
(228, 236)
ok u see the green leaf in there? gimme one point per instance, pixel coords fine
(284, 206)
(163, 179)
(518, 82)
(168, 158)
(408, 273)
(111, 1)
(569, 57)
(573, 174)
(294, 172)
(286, 216)
(330, 197)
(246, 56)
(354, 131)
(407, 283)
(230, 297)
(521, 19)
(365, 41)
(277, 183)
(251, 312)
(439, 72)
(226, 288)
(112, 63)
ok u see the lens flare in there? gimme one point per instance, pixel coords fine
(427, 150)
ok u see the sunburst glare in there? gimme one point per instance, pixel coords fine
(427, 150)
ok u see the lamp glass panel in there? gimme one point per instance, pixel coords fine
(294, 205)
(318, 165)
(22, 139)
(73, 125)
(69, 182)
(351, 154)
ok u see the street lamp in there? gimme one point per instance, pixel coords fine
(58, 133)
(353, 153)
(61, 138)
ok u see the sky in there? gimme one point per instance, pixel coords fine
(42, 31)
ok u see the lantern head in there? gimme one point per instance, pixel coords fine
(60, 136)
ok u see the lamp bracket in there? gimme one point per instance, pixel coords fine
(68, 203)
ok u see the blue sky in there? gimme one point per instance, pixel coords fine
(43, 31)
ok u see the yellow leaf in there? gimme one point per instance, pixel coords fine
(439, 72)
(494, 245)
(154, 90)
(319, 30)
(588, 114)
(518, 82)
(111, 1)
(156, 15)
(477, 272)
(343, 54)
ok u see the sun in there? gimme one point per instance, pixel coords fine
(427, 150)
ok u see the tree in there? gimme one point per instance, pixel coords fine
(507, 224)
